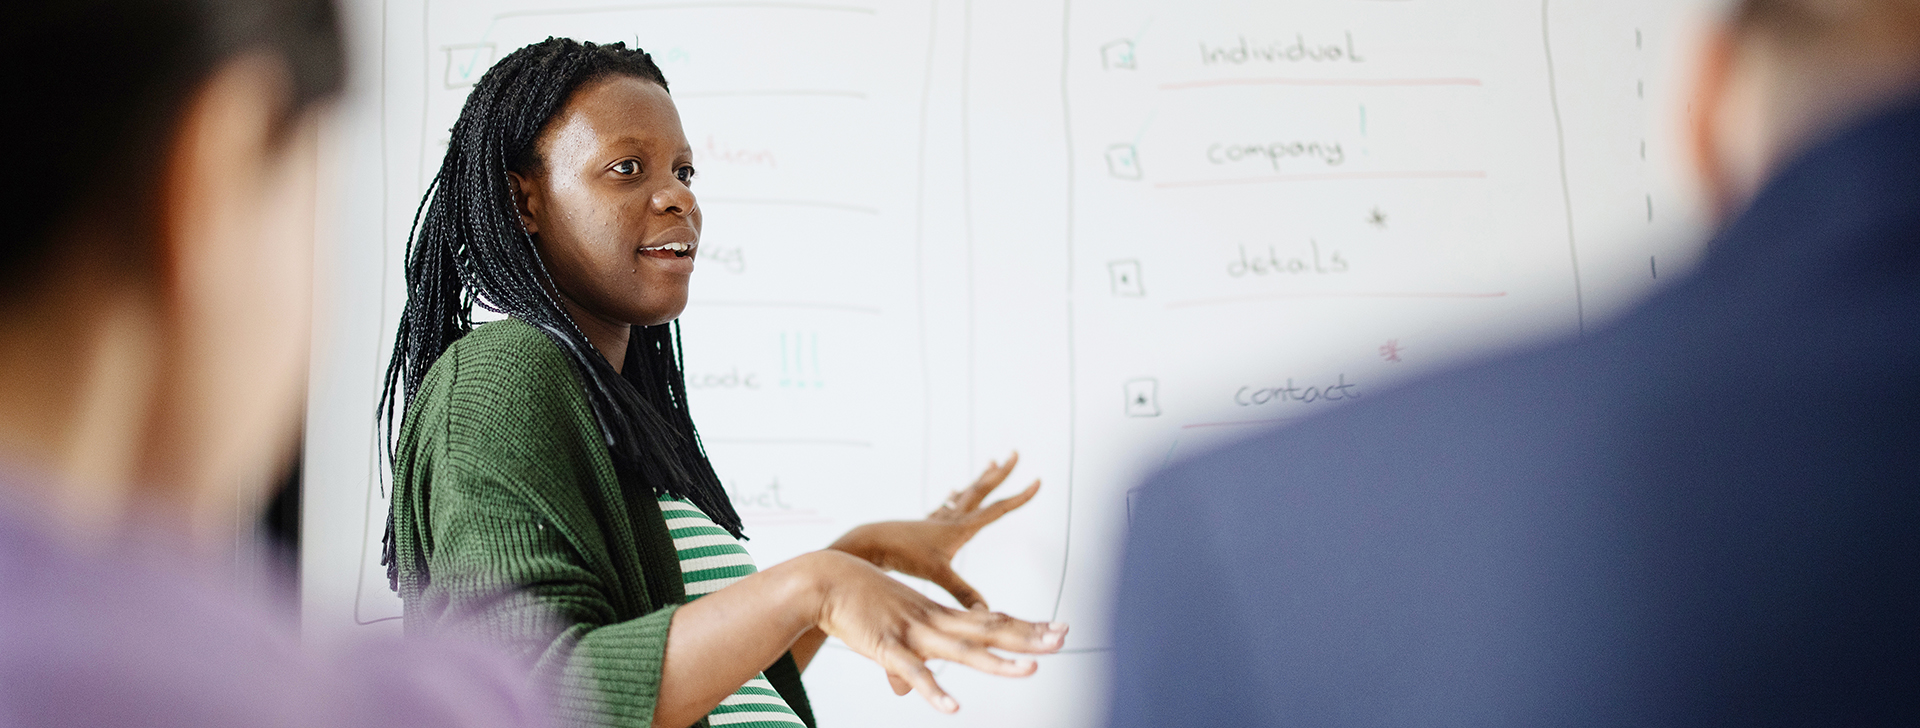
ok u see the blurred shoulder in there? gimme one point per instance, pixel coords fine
(1460, 426)
(137, 634)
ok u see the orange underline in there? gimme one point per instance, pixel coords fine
(1328, 177)
(1275, 81)
(1289, 296)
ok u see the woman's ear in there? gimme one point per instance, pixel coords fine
(526, 200)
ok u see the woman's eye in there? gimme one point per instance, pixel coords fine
(628, 167)
(685, 174)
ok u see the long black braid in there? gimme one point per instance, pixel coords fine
(469, 246)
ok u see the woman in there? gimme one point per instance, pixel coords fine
(548, 482)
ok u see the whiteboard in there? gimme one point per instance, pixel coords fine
(1108, 234)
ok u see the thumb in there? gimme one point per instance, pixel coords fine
(958, 587)
(900, 687)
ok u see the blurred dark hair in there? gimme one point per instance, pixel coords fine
(96, 89)
(1832, 22)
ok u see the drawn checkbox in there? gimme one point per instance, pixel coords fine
(466, 63)
(1123, 161)
(1143, 398)
(1117, 55)
(1125, 276)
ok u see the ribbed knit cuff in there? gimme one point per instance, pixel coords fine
(612, 677)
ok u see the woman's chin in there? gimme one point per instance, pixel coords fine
(659, 312)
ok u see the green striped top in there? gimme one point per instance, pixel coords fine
(710, 559)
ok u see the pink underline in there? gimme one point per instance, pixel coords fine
(1242, 423)
(1290, 296)
(786, 521)
(1320, 82)
(1327, 177)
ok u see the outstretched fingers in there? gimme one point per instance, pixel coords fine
(900, 687)
(1004, 506)
(964, 593)
(939, 645)
(903, 666)
(993, 629)
(968, 499)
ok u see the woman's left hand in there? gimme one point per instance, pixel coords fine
(925, 548)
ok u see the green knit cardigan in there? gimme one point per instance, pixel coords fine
(511, 528)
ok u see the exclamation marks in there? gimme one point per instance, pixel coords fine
(800, 360)
(1640, 91)
(1639, 45)
(1365, 151)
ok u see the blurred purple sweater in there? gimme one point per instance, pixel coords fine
(134, 638)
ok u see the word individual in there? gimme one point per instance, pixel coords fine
(1254, 397)
(1330, 154)
(1281, 51)
(1273, 264)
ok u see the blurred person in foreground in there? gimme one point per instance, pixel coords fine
(1706, 513)
(155, 277)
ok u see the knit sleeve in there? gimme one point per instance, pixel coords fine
(512, 531)
(504, 574)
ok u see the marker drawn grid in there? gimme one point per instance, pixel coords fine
(1187, 89)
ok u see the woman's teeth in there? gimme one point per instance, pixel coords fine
(676, 248)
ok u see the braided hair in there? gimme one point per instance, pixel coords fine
(468, 246)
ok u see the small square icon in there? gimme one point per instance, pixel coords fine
(1125, 275)
(1123, 161)
(466, 63)
(1143, 398)
(1117, 55)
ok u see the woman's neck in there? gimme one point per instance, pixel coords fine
(608, 337)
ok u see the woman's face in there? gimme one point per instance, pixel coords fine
(609, 203)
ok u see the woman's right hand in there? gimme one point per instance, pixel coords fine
(899, 628)
(719, 641)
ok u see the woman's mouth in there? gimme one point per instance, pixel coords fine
(671, 250)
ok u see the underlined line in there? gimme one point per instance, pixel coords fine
(816, 305)
(686, 6)
(1327, 177)
(778, 521)
(1363, 82)
(802, 441)
(862, 209)
(1238, 423)
(771, 92)
(1366, 294)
